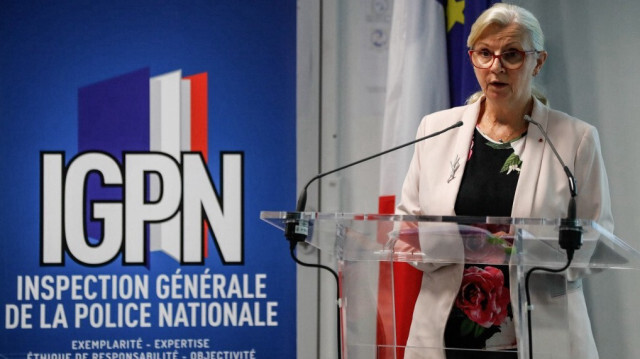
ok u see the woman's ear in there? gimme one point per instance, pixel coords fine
(542, 57)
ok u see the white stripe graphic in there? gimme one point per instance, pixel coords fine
(169, 105)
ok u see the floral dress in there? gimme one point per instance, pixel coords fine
(482, 316)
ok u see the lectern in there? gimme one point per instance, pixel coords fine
(381, 317)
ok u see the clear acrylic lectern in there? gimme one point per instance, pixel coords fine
(373, 253)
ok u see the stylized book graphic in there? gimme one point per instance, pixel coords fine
(138, 113)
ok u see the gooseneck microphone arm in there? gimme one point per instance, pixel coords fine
(302, 199)
(570, 231)
(570, 236)
(567, 171)
(295, 231)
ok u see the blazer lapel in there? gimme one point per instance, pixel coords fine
(531, 164)
(458, 157)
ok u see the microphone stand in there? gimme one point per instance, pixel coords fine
(569, 238)
(297, 230)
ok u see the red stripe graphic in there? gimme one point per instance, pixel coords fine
(199, 128)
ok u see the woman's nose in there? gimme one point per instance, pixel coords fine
(496, 66)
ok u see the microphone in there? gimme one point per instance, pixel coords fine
(297, 230)
(570, 237)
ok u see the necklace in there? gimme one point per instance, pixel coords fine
(499, 134)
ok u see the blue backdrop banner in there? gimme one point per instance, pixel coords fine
(139, 141)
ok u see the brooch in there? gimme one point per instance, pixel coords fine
(455, 164)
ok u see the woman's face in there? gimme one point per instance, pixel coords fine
(503, 86)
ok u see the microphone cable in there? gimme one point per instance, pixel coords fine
(292, 246)
(528, 294)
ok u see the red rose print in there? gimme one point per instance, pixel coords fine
(483, 296)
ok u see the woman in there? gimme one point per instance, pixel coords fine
(498, 165)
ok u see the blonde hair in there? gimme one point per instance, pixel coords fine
(502, 14)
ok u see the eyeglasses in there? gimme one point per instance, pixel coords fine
(511, 59)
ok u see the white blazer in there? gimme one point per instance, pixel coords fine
(431, 187)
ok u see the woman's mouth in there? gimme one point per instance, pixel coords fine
(498, 85)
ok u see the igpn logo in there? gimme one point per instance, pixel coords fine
(140, 180)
